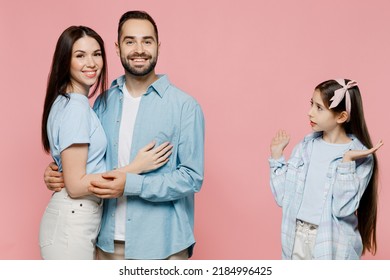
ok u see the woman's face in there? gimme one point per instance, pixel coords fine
(86, 65)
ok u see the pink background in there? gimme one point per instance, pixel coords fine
(252, 65)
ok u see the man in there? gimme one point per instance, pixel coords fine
(147, 216)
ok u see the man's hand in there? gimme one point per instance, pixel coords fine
(111, 189)
(357, 154)
(53, 179)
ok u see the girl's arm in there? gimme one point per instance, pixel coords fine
(278, 166)
(359, 154)
(74, 161)
(352, 177)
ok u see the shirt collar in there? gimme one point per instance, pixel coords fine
(356, 144)
(160, 86)
(119, 82)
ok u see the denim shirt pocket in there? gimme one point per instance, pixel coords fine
(171, 137)
(295, 174)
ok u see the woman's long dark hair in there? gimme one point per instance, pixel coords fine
(59, 75)
(367, 211)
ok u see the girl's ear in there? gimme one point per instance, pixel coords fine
(342, 117)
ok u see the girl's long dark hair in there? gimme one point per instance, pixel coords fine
(59, 75)
(367, 211)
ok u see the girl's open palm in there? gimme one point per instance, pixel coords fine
(279, 143)
(357, 154)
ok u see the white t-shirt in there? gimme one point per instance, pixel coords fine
(129, 114)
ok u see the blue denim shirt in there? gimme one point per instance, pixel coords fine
(160, 204)
(337, 235)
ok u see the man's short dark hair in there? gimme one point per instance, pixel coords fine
(136, 15)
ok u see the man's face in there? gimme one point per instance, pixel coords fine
(138, 47)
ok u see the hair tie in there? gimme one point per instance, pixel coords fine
(340, 93)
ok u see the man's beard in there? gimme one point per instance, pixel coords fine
(139, 72)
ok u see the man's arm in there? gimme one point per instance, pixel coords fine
(53, 179)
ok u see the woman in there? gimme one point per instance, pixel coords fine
(73, 135)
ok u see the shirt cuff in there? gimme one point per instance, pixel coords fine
(133, 185)
(346, 167)
(276, 162)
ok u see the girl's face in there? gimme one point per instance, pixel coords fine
(321, 118)
(86, 65)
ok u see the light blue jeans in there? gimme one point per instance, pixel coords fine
(305, 238)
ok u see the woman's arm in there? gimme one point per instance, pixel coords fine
(74, 162)
(149, 158)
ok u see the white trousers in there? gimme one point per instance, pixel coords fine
(69, 227)
(305, 238)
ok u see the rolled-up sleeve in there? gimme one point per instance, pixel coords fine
(351, 181)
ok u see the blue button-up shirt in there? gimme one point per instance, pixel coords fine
(337, 236)
(160, 204)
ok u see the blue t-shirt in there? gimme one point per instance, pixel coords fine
(314, 195)
(72, 121)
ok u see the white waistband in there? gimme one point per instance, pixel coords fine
(90, 199)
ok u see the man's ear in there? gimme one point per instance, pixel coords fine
(342, 117)
(117, 48)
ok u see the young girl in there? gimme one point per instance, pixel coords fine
(73, 135)
(328, 188)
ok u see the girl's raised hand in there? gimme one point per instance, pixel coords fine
(279, 143)
(357, 154)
